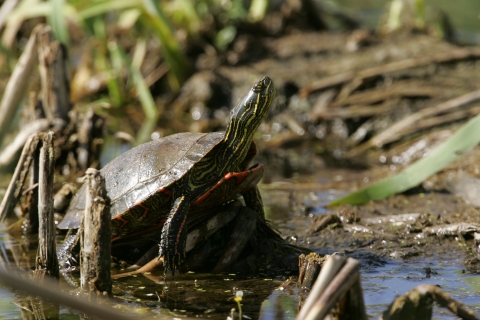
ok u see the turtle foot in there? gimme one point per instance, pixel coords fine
(174, 238)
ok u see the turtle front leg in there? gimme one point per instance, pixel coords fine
(253, 200)
(174, 235)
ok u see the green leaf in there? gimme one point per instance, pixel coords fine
(258, 10)
(467, 137)
(225, 36)
(57, 22)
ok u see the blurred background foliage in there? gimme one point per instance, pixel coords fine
(122, 49)
(114, 37)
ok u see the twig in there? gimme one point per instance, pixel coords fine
(353, 111)
(439, 120)
(391, 133)
(381, 94)
(327, 82)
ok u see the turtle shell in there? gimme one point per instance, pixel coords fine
(138, 180)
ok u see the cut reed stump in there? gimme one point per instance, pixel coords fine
(95, 237)
(336, 287)
(46, 263)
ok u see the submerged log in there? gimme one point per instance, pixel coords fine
(245, 225)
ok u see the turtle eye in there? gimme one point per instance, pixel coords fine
(262, 85)
(259, 87)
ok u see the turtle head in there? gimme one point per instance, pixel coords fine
(249, 113)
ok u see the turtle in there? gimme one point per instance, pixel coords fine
(171, 182)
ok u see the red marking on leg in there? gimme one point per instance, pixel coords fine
(240, 176)
(206, 194)
(124, 222)
(158, 226)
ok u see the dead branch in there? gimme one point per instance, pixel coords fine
(338, 79)
(391, 133)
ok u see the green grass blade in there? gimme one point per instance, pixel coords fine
(28, 9)
(144, 95)
(467, 137)
(101, 8)
(56, 20)
(170, 47)
(115, 73)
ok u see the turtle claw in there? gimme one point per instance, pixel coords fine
(174, 237)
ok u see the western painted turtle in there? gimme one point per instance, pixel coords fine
(174, 181)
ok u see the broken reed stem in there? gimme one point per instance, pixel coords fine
(14, 188)
(54, 75)
(95, 237)
(31, 217)
(46, 257)
(392, 132)
(53, 292)
(46, 263)
(341, 78)
(326, 294)
(9, 154)
(328, 271)
(309, 268)
(17, 84)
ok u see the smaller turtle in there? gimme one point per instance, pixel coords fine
(175, 181)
